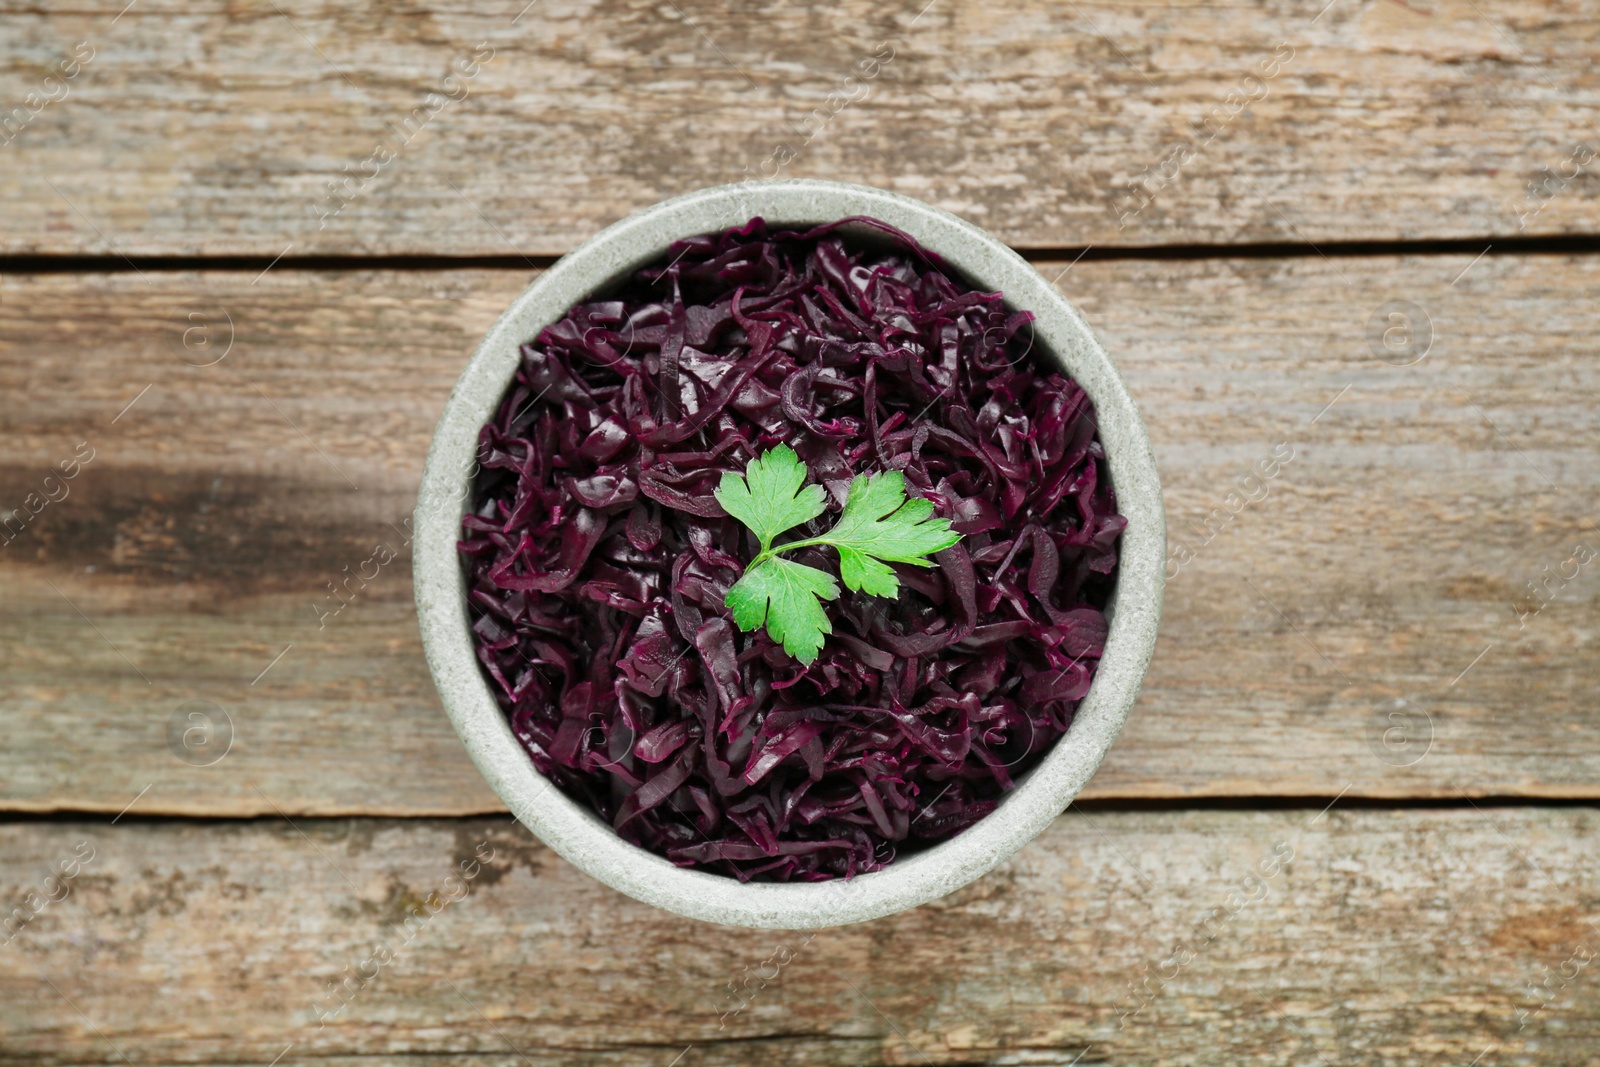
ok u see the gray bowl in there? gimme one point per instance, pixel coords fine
(575, 832)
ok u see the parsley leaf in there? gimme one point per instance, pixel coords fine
(788, 597)
(861, 572)
(772, 496)
(879, 526)
(879, 520)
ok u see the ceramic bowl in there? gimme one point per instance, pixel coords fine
(575, 832)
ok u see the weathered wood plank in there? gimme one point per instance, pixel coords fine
(218, 127)
(1386, 555)
(1375, 937)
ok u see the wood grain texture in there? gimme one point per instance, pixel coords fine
(1318, 640)
(1373, 937)
(212, 127)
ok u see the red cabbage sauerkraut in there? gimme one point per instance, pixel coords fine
(598, 559)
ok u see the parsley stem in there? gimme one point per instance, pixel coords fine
(768, 553)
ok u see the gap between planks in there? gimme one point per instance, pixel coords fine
(154, 814)
(1550, 244)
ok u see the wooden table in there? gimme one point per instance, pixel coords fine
(1352, 819)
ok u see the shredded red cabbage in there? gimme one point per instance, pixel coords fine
(598, 559)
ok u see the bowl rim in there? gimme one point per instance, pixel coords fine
(576, 833)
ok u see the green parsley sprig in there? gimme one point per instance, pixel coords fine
(880, 525)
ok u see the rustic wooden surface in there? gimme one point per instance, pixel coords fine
(1342, 670)
(224, 122)
(1386, 555)
(1414, 937)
